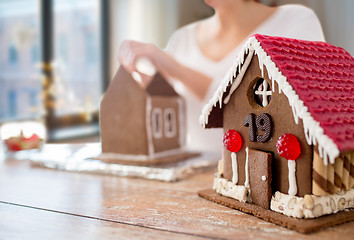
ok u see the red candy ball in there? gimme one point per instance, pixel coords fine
(232, 140)
(288, 146)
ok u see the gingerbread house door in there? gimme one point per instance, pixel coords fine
(260, 177)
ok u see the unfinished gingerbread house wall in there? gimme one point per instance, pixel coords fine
(138, 120)
(166, 116)
(122, 116)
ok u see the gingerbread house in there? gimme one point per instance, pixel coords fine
(140, 124)
(287, 110)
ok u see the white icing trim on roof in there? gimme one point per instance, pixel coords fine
(328, 150)
(239, 77)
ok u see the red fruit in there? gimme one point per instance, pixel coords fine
(288, 146)
(232, 140)
(19, 143)
(12, 146)
(33, 137)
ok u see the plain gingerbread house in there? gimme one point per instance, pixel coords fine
(139, 124)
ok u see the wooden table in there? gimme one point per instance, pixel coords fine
(39, 203)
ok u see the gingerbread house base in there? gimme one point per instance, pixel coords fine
(80, 158)
(143, 160)
(299, 225)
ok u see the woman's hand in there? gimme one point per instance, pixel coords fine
(142, 60)
(131, 51)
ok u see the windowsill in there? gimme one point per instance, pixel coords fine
(77, 134)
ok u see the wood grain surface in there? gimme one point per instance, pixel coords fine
(58, 201)
(19, 222)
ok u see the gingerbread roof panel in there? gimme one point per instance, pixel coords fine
(322, 76)
(317, 79)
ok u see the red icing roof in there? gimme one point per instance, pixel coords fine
(322, 76)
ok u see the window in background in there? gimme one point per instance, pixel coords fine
(77, 69)
(51, 63)
(13, 56)
(20, 81)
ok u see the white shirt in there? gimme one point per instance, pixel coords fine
(292, 21)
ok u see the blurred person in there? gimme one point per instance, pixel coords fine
(198, 56)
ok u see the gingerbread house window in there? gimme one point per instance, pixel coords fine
(170, 122)
(157, 122)
(262, 92)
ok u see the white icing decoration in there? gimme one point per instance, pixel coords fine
(234, 168)
(247, 180)
(264, 93)
(298, 207)
(313, 132)
(229, 189)
(156, 118)
(238, 79)
(181, 123)
(264, 178)
(170, 126)
(148, 126)
(292, 178)
(292, 206)
(221, 166)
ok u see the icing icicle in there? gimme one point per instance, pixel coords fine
(247, 180)
(288, 147)
(234, 168)
(292, 178)
(232, 141)
(239, 77)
